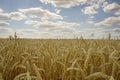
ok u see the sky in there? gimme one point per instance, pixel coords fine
(91, 19)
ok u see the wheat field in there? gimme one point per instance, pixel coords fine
(54, 59)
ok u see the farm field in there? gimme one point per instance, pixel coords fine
(54, 59)
(1, 77)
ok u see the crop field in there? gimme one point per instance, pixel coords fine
(64, 59)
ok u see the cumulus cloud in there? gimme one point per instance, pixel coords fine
(90, 22)
(63, 29)
(11, 16)
(47, 24)
(17, 16)
(99, 3)
(50, 24)
(99, 33)
(64, 3)
(116, 30)
(4, 17)
(112, 8)
(111, 21)
(27, 31)
(72, 3)
(3, 23)
(33, 33)
(40, 13)
(57, 11)
(109, 30)
(1, 10)
(31, 22)
(6, 30)
(43, 24)
(90, 10)
(93, 6)
(68, 30)
(57, 26)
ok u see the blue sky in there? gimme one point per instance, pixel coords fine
(60, 18)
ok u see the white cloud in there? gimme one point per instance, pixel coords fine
(6, 31)
(99, 3)
(3, 23)
(65, 3)
(43, 24)
(112, 8)
(63, 30)
(90, 10)
(17, 16)
(51, 24)
(33, 33)
(72, 3)
(4, 17)
(90, 22)
(111, 21)
(57, 11)
(47, 24)
(104, 4)
(1, 10)
(27, 31)
(40, 13)
(93, 6)
(31, 22)
(11, 16)
(116, 30)
(99, 33)
(91, 17)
